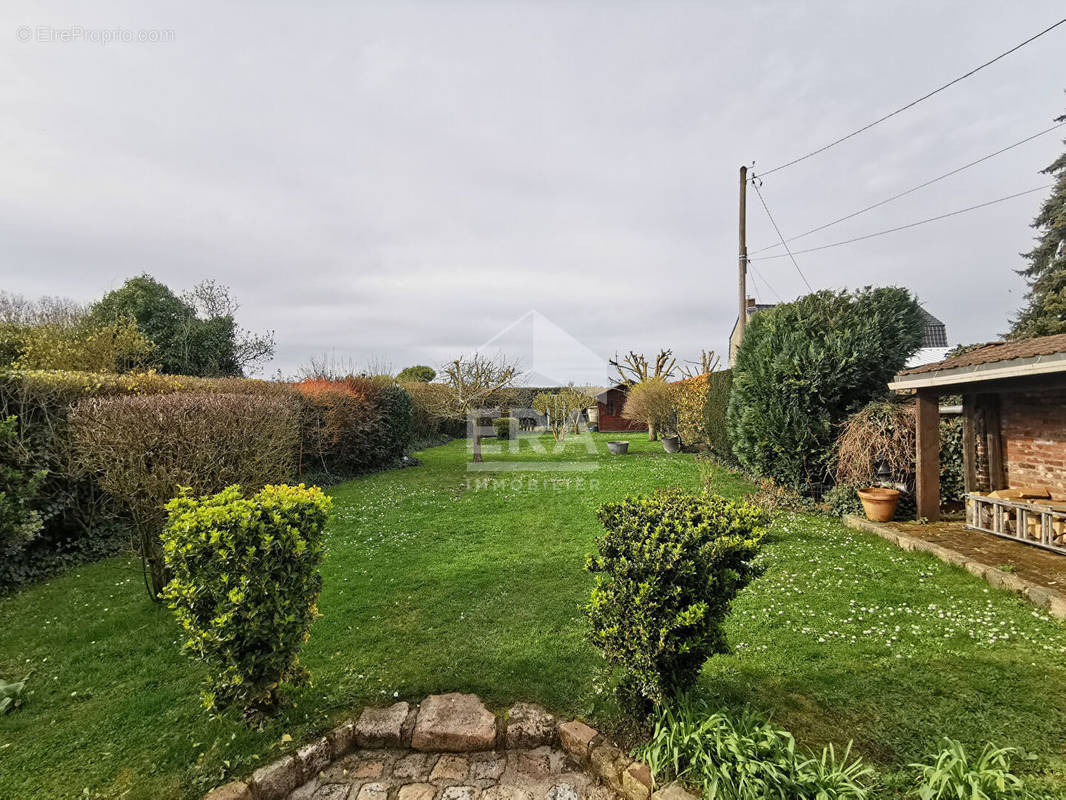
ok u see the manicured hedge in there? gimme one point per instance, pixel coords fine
(353, 425)
(715, 414)
(143, 449)
(82, 521)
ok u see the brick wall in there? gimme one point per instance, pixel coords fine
(1034, 438)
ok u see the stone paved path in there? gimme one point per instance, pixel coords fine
(540, 773)
(451, 747)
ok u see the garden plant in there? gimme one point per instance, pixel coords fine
(245, 587)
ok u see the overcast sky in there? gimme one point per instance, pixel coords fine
(400, 182)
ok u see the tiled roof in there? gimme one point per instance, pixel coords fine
(998, 351)
(934, 334)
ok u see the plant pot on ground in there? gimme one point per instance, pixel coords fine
(671, 444)
(878, 503)
(618, 448)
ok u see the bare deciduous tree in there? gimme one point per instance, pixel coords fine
(709, 362)
(635, 368)
(563, 408)
(473, 380)
(212, 300)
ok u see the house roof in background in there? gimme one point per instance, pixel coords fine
(935, 333)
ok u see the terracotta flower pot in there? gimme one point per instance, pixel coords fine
(879, 504)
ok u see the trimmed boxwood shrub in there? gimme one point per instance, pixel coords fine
(142, 449)
(503, 427)
(245, 587)
(803, 367)
(666, 573)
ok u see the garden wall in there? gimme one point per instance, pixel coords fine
(1033, 426)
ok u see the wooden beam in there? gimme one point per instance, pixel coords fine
(969, 444)
(928, 456)
(1034, 383)
(997, 474)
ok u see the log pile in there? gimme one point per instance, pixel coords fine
(1030, 514)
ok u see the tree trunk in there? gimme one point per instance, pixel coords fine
(653, 435)
(477, 448)
(157, 574)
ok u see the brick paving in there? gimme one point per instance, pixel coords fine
(1029, 563)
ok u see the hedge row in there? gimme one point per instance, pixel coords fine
(338, 430)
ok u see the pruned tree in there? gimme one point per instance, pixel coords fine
(652, 402)
(474, 380)
(709, 362)
(635, 368)
(563, 408)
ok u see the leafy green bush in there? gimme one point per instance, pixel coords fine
(142, 449)
(503, 427)
(20, 519)
(417, 374)
(842, 500)
(747, 758)
(803, 367)
(245, 587)
(666, 572)
(952, 475)
(951, 774)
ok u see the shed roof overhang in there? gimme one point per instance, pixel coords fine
(959, 377)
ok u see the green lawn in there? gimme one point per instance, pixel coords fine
(436, 583)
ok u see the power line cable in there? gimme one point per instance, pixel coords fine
(762, 278)
(792, 255)
(913, 189)
(755, 183)
(914, 102)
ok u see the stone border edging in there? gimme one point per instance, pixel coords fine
(453, 723)
(1048, 599)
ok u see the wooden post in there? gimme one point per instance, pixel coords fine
(969, 444)
(928, 455)
(742, 319)
(997, 477)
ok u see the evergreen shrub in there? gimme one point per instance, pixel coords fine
(666, 572)
(245, 587)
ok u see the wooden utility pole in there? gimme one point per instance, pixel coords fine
(742, 318)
